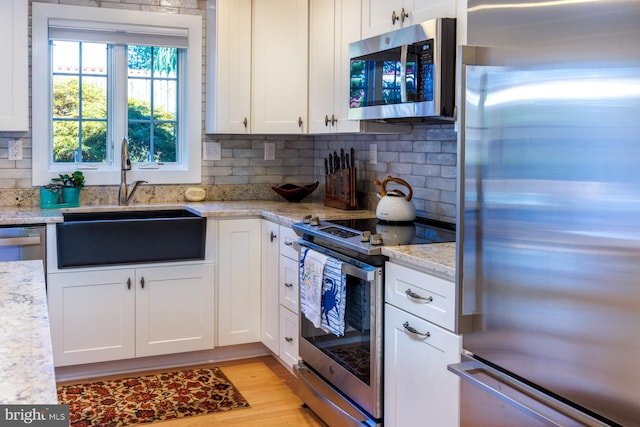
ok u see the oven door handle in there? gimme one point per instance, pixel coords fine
(348, 269)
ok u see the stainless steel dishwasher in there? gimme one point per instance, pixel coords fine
(24, 242)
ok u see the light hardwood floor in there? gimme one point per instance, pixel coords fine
(270, 390)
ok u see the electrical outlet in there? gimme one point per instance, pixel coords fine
(15, 149)
(269, 150)
(212, 151)
(373, 154)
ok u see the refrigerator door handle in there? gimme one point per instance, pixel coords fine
(520, 395)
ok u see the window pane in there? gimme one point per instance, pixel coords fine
(139, 141)
(94, 97)
(165, 62)
(66, 57)
(66, 101)
(139, 59)
(165, 99)
(139, 99)
(65, 140)
(165, 142)
(94, 141)
(94, 58)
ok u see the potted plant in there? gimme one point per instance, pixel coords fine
(65, 189)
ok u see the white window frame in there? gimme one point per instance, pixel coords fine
(188, 170)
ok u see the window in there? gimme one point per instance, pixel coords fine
(100, 75)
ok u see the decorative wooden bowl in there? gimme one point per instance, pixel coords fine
(295, 193)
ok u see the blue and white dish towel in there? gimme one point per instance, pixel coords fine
(323, 291)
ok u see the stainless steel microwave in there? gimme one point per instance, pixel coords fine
(406, 73)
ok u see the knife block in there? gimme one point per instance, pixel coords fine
(340, 189)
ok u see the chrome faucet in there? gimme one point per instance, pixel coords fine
(123, 194)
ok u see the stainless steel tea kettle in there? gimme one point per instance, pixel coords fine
(393, 204)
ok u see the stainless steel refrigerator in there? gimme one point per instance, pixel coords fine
(549, 213)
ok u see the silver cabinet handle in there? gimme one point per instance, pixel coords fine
(272, 236)
(288, 285)
(394, 18)
(326, 120)
(334, 120)
(415, 331)
(129, 283)
(288, 339)
(413, 295)
(142, 282)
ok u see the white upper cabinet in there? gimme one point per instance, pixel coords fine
(14, 73)
(280, 66)
(381, 16)
(333, 25)
(228, 93)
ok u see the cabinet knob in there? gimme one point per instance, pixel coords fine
(288, 285)
(288, 339)
(333, 120)
(272, 236)
(142, 282)
(129, 283)
(245, 122)
(394, 18)
(326, 120)
(300, 121)
(403, 15)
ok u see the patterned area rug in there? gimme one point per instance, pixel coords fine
(150, 398)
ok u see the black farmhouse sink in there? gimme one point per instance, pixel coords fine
(129, 237)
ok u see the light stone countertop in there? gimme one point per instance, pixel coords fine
(436, 258)
(26, 360)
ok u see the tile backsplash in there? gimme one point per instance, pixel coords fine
(425, 157)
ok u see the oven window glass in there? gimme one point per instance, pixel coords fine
(352, 350)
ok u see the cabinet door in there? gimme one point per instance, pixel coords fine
(333, 25)
(280, 55)
(14, 73)
(377, 16)
(322, 71)
(270, 317)
(424, 10)
(228, 66)
(348, 15)
(92, 316)
(418, 389)
(174, 309)
(289, 280)
(288, 337)
(239, 253)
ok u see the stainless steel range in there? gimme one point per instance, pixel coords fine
(341, 369)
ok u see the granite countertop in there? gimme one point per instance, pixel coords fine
(435, 258)
(27, 375)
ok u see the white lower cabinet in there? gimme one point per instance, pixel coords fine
(280, 292)
(418, 388)
(239, 281)
(122, 313)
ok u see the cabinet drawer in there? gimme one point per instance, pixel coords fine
(428, 297)
(288, 337)
(288, 292)
(287, 237)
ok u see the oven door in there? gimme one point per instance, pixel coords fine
(352, 363)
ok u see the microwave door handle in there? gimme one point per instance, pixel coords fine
(403, 72)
